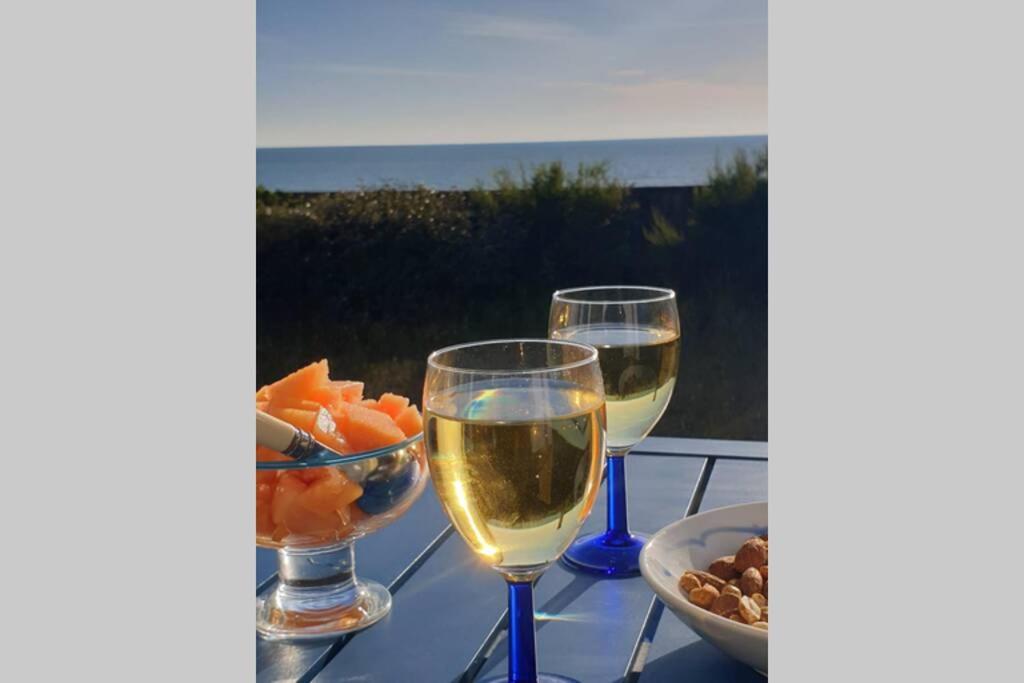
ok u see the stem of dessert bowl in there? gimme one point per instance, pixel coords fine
(318, 595)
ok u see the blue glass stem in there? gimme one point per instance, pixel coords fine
(522, 647)
(618, 526)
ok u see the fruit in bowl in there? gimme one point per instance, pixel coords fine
(313, 511)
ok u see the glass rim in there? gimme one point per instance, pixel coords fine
(591, 357)
(346, 460)
(664, 294)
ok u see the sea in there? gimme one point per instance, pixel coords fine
(664, 162)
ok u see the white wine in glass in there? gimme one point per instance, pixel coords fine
(515, 439)
(636, 333)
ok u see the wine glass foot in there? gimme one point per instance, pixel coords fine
(281, 616)
(541, 678)
(609, 554)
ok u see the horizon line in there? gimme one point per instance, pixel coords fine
(516, 142)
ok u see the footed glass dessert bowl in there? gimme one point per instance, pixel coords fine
(312, 512)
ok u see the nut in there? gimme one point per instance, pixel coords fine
(704, 596)
(732, 590)
(688, 582)
(734, 582)
(764, 537)
(763, 570)
(751, 581)
(709, 578)
(723, 568)
(749, 610)
(760, 600)
(761, 625)
(764, 613)
(725, 604)
(735, 616)
(753, 553)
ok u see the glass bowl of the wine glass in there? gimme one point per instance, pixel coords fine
(312, 513)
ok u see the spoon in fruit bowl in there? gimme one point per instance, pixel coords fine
(278, 435)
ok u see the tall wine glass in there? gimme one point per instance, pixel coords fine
(636, 333)
(515, 440)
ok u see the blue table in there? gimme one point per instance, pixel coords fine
(448, 617)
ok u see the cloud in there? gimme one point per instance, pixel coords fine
(627, 73)
(393, 71)
(511, 28)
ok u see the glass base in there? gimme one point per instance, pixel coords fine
(541, 678)
(282, 615)
(606, 553)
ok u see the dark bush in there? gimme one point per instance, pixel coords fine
(375, 279)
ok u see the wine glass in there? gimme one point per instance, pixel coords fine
(515, 441)
(636, 333)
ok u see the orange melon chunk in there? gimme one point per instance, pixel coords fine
(393, 404)
(264, 394)
(266, 455)
(331, 493)
(279, 402)
(303, 419)
(366, 429)
(287, 492)
(350, 391)
(301, 383)
(409, 421)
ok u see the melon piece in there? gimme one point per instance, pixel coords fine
(393, 404)
(264, 394)
(349, 390)
(280, 402)
(330, 493)
(264, 499)
(303, 419)
(303, 381)
(366, 429)
(289, 487)
(370, 403)
(409, 421)
(300, 520)
(326, 396)
(264, 454)
(333, 440)
(262, 405)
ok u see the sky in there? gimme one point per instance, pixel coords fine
(404, 72)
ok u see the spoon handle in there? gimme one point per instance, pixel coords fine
(282, 437)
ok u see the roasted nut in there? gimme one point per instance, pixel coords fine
(761, 601)
(732, 590)
(760, 624)
(763, 570)
(689, 581)
(764, 613)
(709, 578)
(753, 553)
(725, 604)
(735, 616)
(734, 582)
(751, 581)
(723, 568)
(749, 610)
(704, 596)
(764, 537)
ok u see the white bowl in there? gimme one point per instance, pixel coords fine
(693, 543)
